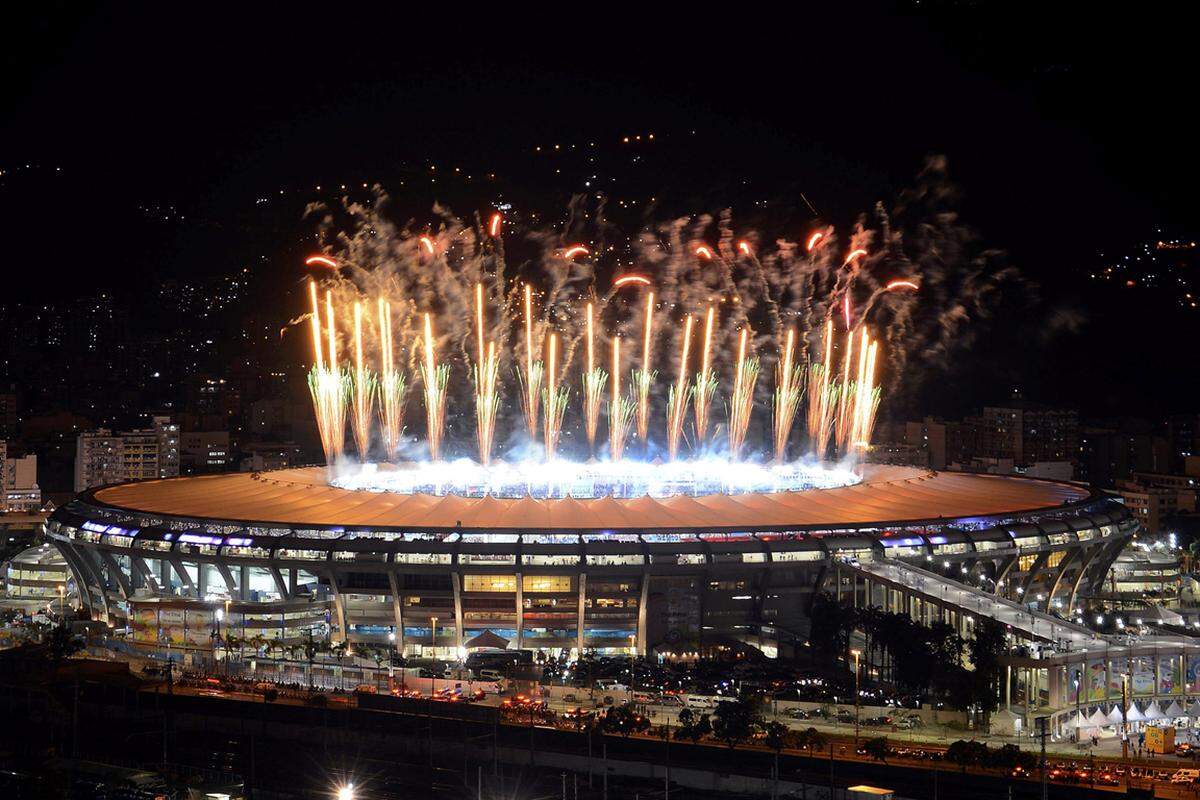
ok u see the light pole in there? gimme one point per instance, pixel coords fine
(433, 647)
(62, 600)
(1076, 683)
(856, 655)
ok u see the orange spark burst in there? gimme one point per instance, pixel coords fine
(894, 285)
(321, 261)
(855, 254)
(705, 252)
(494, 225)
(744, 246)
(576, 250)
(625, 280)
(427, 243)
(814, 240)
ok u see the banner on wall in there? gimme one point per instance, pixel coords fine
(144, 622)
(171, 622)
(1097, 680)
(1119, 667)
(1168, 675)
(1143, 676)
(1193, 674)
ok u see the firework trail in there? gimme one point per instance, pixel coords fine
(643, 379)
(822, 397)
(841, 426)
(786, 398)
(365, 386)
(593, 386)
(486, 375)
(677, 395)
(392, 385)
(555, 402)
(531, 378)
(620, 410)
(741, 402)
(327, 385)
(706, 382)
(435, 377)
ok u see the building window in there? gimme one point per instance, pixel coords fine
(489, 583)
(546, 583)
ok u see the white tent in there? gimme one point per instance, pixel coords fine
(1175, 710)
(1134, 715)
(1005, 723)
(1115, 717)
(1194, 709)
(1098, 719)
(1153, 711)
(1078, 721)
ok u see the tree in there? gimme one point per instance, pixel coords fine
(624, 719)
(876, 748)
(733, 721)
(775, 739)
(966, 754)
(985, 651)
(61, 643)
(811, 740)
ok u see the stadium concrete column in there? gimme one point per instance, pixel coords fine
(520, 603)
(579, 612)
(339, 607)
(456, 585)
(397, 610)
(642, 615)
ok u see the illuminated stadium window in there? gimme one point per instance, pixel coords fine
(798, 555)
(754, 558)
(422, 558)
(536, 560)
(1025, 563)
(486, 558)
(302, 555)
(1055, 559)
(546, 583)
(489, 583)
(613, 560)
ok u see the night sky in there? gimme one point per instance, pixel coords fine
(143, 141)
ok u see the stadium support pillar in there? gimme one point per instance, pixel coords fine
(339, 608)
(397, 610)
(520, 604)
(579, 613)
(642, 615)
(456, 584)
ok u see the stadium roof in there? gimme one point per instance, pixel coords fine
(301, 498)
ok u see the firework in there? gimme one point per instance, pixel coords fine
(392, 385)
(321, 261)
(706, 382)
(593, 386)
(894, 285)
(486, 374)
(494, 225)
(741, 403)
(643, 379)
(813, 241)
(786, 397)
(435, 377)
(620, 410)
(705, 252)
(677, 395)
(365, 386)
(327, 385)
(575, 250)
(841, 426)
(555, 402)
(626, 280)
(822, 397)
(531, 378)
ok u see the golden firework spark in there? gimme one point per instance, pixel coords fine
(531, 378)
(365, 386)
(620, 410)
(435, 377)
(741, 403)
(593, 386)
(555, 401)
(392, 385)
(326, 384)
(486, 374)
(643, 379)
(677, 395)
(786, 399)
(841, 428)
(706, 382)
(822, 397)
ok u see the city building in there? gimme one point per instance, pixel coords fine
(19, 491)
(1153, 498)
(942, 440)
(103, 457)
(1025, 432)
(203, 451)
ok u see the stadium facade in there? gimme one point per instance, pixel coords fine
(185, 561)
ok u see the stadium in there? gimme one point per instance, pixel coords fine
(185, 561)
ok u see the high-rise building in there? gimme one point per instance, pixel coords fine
(19, 490)
(8, 414)
(103, 457)
(203, 451)
(942, 440)
(1025, 432)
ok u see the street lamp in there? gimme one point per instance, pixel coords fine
(346, 792)
(857, 697)
(62, 597)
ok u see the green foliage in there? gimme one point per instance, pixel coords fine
(876, 748)
(734, 720)
(777, 736)
(624, 719)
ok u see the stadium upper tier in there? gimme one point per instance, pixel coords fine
(888, 496)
